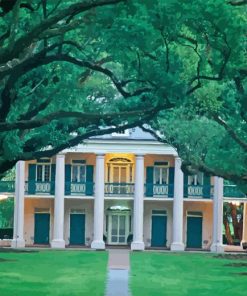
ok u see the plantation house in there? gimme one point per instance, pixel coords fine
(118, 189)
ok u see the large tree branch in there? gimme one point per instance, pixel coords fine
(88, 118)
(238, 3)
(231, 132)
(34, 35)
(40, 59)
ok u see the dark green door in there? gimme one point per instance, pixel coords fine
(159, 225)
(194, 232)
(77, 229)
(41, 228)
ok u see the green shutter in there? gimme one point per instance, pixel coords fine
(185, 185)
(149, 181)
(53, 174)
(67, 179)
(171, 182)
(31, 178)
(206, 186)
(89, 180)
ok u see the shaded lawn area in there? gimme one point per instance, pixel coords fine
(193, 274)
(53, 273)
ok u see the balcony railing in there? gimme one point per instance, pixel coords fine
(35, 187)
(233, 191)
(79, 188)
(159, 190)
(123, 189)
(120, 189)
(198, 191)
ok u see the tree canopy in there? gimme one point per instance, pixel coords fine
(73, 70)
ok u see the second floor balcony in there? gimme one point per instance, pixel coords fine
(77, 174)
(35, 188)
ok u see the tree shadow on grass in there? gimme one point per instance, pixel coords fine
(9, 250)
(7, 260)
(238, 264)
(232, 256)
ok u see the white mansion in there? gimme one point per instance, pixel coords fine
(119, 189)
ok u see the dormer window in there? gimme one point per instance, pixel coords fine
(124, 133)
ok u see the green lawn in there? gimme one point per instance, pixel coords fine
(180, 274)
(53, 273)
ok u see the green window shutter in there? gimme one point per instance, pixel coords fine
(149, 181)
(171, 182)
(89, 180)
(31, 178)
(206, 186)
(67, 179)
(53, 174)
(185, 185)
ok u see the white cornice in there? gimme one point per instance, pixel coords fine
(123, 146)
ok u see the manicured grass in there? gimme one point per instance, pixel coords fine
(65, 273)
(192, 274)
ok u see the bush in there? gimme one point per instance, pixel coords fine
(6, 233)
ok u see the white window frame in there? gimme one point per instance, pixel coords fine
(195, 180)
(43, 164)
(129, 171)
(118, 134)
(78, 171)
(160, 177)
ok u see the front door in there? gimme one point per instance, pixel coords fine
(41, 228)
(77, 229)
(118, 228)
(159, 227)
(194, 231)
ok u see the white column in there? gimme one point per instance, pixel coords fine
(244, 238)
(217, 245)
(178, 211)
(138, 243)
(58, 237)
(18, 238)
(98, 242)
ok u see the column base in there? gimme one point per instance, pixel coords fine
(17, 243)
(217, 248)
(98, 245)
(177, 247)
(58, 244)
(137, 246)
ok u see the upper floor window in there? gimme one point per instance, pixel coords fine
(120, 170)
(196, 179)
(43, 171)
(78, 171)
(161, 173)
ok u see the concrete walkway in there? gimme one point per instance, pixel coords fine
(118, 273)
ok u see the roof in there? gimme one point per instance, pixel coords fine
(130, 134)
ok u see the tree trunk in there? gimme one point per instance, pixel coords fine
(233, 208)
(227, 231)
(240, 228)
